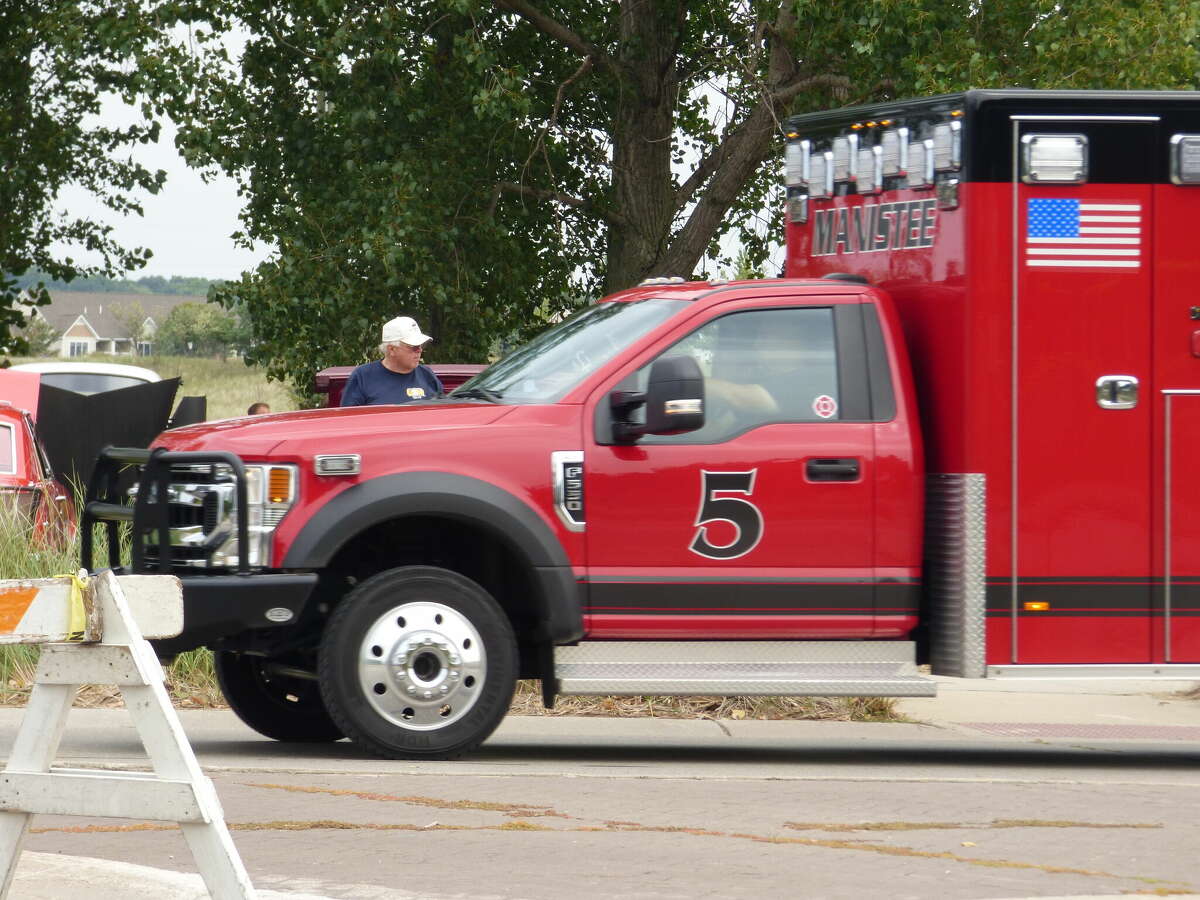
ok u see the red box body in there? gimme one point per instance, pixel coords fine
(1025, 302)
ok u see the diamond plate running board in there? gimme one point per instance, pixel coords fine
(751, 668)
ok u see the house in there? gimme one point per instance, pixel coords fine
(100, 323)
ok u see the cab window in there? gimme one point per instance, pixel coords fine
(761, 367)
(8, 456)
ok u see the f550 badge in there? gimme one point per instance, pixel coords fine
(566, 469)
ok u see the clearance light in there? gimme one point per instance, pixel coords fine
(947, 147)
(870, 170)
(845, 158)
(920, 164)
(796, 163)
(820, 174)
(894, 146)
(1036, 606)
(341, 464)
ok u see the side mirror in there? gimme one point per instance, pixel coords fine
(674, 401)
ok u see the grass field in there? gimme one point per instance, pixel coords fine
(231, 387)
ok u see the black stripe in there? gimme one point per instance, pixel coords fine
(1118, 596)
(739, 597)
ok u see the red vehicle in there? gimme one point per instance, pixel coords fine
(745, 488)
(30, 496)
(332, 381)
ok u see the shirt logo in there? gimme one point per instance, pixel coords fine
(1080, 235)
(415, 393)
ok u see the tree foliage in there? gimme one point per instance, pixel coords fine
(486, 164)
(40, 337)
(201, 329)
(59, 60)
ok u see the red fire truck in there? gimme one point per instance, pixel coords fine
(746, 487)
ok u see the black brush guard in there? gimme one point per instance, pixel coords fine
(150, 511)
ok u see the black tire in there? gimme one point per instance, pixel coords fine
(274, 705)
(418, 663)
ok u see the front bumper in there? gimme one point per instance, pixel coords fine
(231, 607)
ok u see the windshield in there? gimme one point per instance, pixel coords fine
(553, 363)
(89, 382)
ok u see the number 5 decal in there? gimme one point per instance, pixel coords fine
(743, 515)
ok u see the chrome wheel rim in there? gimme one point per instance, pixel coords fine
(422, 666)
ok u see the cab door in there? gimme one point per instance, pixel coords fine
(760, 524)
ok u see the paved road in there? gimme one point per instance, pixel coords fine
(595, 808)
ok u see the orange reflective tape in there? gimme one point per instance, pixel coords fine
(13, 604)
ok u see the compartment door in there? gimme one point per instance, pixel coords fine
(1181, 597)
(1082, 463)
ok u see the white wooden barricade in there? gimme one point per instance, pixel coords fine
(107, 619)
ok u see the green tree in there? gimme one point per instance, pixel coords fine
(39, 336)
(199, 329)
(470, 162)
(59, 60)
(131, 320)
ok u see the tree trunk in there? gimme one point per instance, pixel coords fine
(642, 132)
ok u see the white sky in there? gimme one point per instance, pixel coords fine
(187, 224)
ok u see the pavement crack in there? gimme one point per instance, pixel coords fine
(943, 826)
(522, 810)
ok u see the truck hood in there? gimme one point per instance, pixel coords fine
(334, 429)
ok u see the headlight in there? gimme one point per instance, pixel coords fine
(270, 493)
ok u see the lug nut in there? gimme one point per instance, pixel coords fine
(411, 689)
(428, 695)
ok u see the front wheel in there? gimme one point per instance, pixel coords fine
(418, 663)
(265, 695)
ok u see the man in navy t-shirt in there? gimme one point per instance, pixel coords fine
(399, 377)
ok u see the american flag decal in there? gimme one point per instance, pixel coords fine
(1083, 235)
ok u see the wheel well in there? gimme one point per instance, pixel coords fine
(472, 550)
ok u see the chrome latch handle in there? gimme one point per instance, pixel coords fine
(1117, 391)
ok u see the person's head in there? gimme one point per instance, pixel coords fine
(402, 344)
(257, 409)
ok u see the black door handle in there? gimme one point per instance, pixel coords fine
(832, 469)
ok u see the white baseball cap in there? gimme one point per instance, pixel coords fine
(404, 330)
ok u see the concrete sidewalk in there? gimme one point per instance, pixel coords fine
(1086, 707)
(1017, 710)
